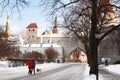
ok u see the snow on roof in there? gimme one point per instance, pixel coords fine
(54, 35)
(49, 45)
(41, 45)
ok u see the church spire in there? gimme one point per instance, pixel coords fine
(55, 22)
(56, 29)
(7, 31)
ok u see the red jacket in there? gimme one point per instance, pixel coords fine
(30, 64)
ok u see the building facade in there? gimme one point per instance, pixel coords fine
(66, 43)
(69, 46)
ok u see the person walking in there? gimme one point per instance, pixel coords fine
(106, 62)
(33, 65)
(30, 66)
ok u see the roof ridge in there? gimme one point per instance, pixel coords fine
(32, 25)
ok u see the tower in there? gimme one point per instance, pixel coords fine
(107, 14)
(55, 29)
(7, 30)
(32, 32)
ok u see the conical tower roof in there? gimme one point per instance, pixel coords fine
(55, 22)
(56, 29)
(7, 31)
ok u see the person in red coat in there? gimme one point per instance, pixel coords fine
(30, 66)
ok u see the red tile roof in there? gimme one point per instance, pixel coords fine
(32, 25)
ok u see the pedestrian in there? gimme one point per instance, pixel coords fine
(30, 65)
(106, 62)
(33, 65)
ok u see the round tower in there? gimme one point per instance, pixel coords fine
(107, 14)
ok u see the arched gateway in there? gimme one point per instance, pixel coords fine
(77, 55)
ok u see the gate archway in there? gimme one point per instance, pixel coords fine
(77, 55)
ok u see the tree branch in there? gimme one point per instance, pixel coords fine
(107, 33)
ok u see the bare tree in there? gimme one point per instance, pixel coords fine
(33, 55)
(6, 48)
(12, 5)
(88, 19)
(37, 55)
(51, 54)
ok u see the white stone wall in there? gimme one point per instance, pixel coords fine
(39, 48)
(67, 43)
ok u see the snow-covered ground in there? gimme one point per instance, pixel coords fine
(113, 69)
(7, 73)
(15, 72)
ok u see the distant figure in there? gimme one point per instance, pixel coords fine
(106, 62)
(30, 66)
(33, 65)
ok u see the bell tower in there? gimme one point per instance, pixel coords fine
(7, 30)
(55, 29)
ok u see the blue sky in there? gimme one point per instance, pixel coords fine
(28, 15)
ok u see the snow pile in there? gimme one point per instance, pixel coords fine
(3, 63)
(87, 69)
(90, 77)
(113, 69)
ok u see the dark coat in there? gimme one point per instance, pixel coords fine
(33, 62)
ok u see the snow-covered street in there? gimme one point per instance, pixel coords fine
(67, 72)
(59, 71)
(7, 73)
